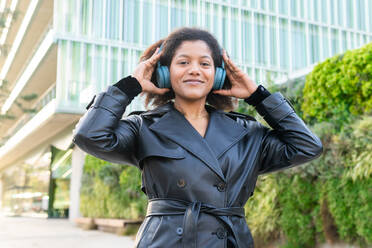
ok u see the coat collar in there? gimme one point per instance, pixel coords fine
(222, 133)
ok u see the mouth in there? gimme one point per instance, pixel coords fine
(193, 82)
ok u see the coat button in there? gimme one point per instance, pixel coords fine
(181, 183)
(221, 186)
(179, 230)
(221, 233)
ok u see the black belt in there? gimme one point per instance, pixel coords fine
(191, 211)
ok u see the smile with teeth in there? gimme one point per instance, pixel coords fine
(193, 82)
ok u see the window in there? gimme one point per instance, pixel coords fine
(235, 49)
(314, 43)
(97, 18)
(272, 5)
(283, 40)
(349, 14)
(361, 18)
(247, 36)
(193, 13)
(334, 42)
(283, 7)
(298, 45)
(260, 39)
(178, 14)
(332, 7)
(273, 40)
(326, 52)
(340, 12)
(147, 22)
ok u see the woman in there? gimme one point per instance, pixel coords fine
(199, 164)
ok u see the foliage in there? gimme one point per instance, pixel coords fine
(262, 209)
(340, 87)
(111, 190)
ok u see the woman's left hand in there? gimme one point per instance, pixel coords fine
(241, 85)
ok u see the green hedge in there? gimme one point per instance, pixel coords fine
(111, 191)
(340, 87)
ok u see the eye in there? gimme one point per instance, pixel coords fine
(205, 64)
(182, 62)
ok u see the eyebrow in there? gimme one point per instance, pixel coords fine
(185, 55)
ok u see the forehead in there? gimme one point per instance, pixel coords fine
(197, 48)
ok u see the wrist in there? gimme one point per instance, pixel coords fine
(130, 86)
(257, 96)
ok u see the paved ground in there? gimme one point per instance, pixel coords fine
(26, 232)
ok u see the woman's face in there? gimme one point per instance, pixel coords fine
(192, 70)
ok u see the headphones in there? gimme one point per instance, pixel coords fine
(163, 78)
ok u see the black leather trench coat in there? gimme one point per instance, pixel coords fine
(197, 186)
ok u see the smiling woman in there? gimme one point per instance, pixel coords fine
(199, 164)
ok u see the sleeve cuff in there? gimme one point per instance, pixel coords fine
(130, 86)
(258, 96)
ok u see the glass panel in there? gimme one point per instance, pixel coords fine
(260, 39)
(334, 42)
(283, 38)
(273, 38)
(314, 44)
(147, 22)
(216, 22)
(193, 5)
(294, 8)
(349, 14)
(125, 61)
(208, 15)
(178, 14)
(344, 41)
(361, 19)
(326, 52)
(332, 6)
(112, 17)
(97, 18)
(352, 41)
(74, 80)
(283, 7)
(299, 45)
(324, 8)
(162, 19)
(272, 6)
(340, 12)
(247, 36)
(225, 26)
(315, 10)
(235, 49)
(254, 3)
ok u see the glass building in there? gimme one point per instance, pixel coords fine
(65, 51)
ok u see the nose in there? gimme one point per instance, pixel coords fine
(194, 69)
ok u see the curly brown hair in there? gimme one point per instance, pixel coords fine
(170, 45)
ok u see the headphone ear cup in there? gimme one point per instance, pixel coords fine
(162, 77)
(219, 78)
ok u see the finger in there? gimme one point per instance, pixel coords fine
(229, 63)
(154, 58)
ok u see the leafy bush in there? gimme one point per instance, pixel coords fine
(111, 190)
(340, 87)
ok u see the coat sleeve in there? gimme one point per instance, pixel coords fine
(289, 142)
(103, 133)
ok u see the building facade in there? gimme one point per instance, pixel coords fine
(65, 51)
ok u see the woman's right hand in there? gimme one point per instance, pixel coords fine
(143, 73)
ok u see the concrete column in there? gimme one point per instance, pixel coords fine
(77, 161)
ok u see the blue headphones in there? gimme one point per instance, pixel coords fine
(163, 78)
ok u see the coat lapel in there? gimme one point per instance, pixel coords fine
(221, 134)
